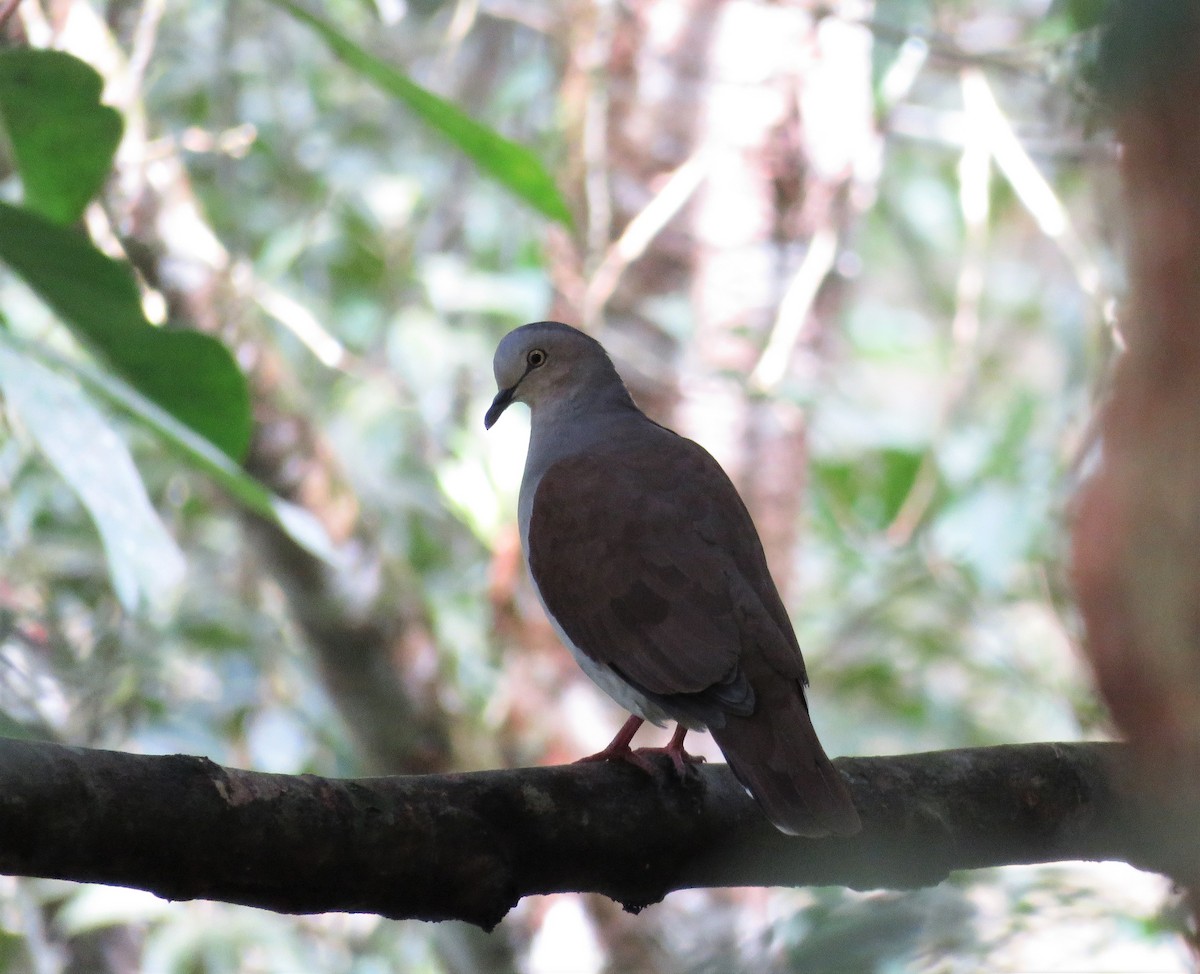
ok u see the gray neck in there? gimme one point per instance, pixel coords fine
(562, 428)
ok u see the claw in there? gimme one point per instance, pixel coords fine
(619, 750)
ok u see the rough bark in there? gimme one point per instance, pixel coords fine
(469, 846)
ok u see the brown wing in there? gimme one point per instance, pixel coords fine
(649, 561)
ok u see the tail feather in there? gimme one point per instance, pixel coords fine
(776, 755)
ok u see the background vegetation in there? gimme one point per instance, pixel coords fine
(331, 584)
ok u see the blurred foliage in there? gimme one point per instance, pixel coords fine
(933, 605)
(62, 137)
(190, 375)
(512, 165)
(92, 459)
(63, 140)
(1147, 44)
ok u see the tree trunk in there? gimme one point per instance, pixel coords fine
(1137, 535)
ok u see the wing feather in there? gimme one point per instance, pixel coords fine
(649, 561)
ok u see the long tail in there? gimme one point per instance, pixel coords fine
(775, 753)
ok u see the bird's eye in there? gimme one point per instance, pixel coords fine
(535, 358)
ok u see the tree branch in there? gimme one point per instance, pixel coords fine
(469, 846)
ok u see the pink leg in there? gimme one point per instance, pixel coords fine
(619, 749)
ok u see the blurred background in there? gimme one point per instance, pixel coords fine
(867, 253)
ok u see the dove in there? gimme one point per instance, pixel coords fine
(652, 573)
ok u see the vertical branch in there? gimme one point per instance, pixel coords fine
(1137, 535)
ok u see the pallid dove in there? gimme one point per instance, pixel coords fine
(652, 573)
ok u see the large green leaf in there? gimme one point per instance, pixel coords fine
(509, 163)
(871, 487)
(62, 138)
(299, 524)
(192, 376)
(143, 559)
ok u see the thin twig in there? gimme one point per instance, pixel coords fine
(944, 48)
(795, 306)
(142, 47)
(974, 194)
(640, 233)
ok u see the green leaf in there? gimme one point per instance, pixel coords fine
(62, 138)
(1086, 14)
(509, 163)
(192, 376)
(298, 523)
(871, 487)
(145, 563)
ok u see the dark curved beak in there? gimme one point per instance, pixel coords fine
(502, 401)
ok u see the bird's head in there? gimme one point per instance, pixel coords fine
(546, 362)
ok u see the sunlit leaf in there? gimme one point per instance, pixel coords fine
(62, 137)
(509, 163)
(10, 727)
(144, 561)
(297, 522)
(870, 488)
(192, 376)
(1010, 453)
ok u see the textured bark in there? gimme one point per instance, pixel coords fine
(469, 846)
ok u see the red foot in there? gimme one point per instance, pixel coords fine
(619, 750)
